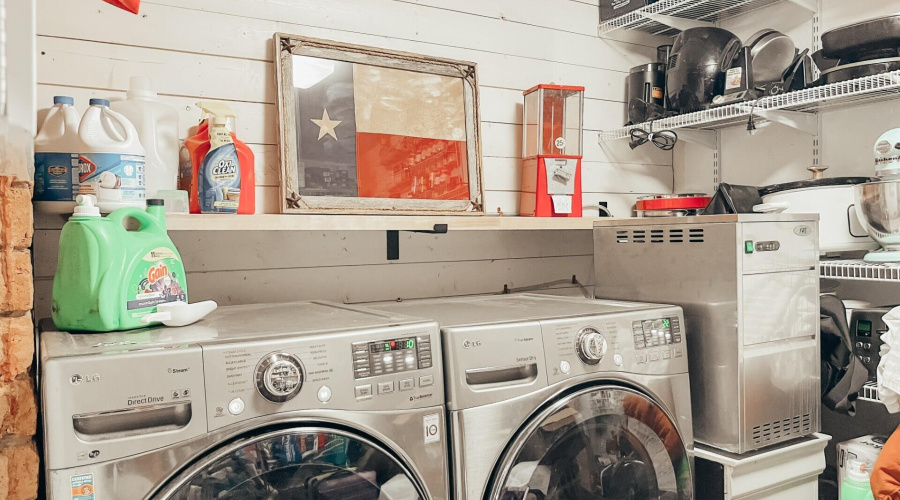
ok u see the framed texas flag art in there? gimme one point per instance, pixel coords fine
(367, 130)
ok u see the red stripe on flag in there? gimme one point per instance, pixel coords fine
(396, 166)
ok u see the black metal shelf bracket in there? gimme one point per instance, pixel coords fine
(393, 239)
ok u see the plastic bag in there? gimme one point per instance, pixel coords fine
(889, 367)
(130, 5)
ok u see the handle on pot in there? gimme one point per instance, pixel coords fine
(771, 208)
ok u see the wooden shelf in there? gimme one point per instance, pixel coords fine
(265, 222)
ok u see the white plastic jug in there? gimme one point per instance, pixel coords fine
(157, 127)
(56, 149)
(111, 159)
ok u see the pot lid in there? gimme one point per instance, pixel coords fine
(813, 183)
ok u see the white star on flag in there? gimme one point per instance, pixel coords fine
(326, 125)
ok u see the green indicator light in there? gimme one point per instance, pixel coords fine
(748, 246)
(665, 323)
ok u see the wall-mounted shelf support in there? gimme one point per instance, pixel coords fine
(393, 239)
(705, 138)
(679, 23)
(808, 123)
(809, 5)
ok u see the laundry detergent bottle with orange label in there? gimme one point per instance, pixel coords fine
(214, 187)
(109, 277)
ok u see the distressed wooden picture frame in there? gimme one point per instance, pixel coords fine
(293, 201)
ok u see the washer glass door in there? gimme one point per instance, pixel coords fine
(297, 464)
(606, 443)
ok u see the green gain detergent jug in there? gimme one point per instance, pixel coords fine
(109, 277)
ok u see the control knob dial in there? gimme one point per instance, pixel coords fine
(279, 377)
(590, 346)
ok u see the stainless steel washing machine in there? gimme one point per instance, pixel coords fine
(559, 398)
(307, 400)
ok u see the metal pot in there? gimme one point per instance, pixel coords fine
(840, 229)
(879, 209)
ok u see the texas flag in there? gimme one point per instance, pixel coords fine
(377, 132)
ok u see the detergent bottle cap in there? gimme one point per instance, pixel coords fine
(63, 99)
(140, 87)
(99, 102)
(86, 207)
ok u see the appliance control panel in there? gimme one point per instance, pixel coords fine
(391, 356)
(616, 343)
(657, 332)
(866, 329)
(384, 369)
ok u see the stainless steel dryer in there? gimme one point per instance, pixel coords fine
(308, 400)
(569, 399)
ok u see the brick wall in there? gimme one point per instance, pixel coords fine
(18, 408)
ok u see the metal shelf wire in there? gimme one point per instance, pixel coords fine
(826, 97)
(859, 270)
(710, 11)
(869, 392)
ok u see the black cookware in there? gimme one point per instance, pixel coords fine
(771, 54)
(859, 50)
(877, 38)
(696, 71)
(646, 86)
(844, 72)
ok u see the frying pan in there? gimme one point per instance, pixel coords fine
(851, 71)
(877, 38)
(771, 54)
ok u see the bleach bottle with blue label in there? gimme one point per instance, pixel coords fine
(220, 172)
(56, 149)
(111, 159)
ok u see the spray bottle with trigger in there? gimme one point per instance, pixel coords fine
(222, 167)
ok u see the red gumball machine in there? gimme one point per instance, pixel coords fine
(551, 151)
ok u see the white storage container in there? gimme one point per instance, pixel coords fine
(111, 159)
(157, 127)
(56, 149)
(789, 471)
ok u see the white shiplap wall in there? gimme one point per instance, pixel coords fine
(223, 50)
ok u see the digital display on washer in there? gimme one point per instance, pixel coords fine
(392, 345)
(386, 357)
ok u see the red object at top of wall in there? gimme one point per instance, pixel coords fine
(130, 5)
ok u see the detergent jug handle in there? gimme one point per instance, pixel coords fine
(148, 222)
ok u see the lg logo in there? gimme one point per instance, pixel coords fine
(471, 343)
(78, 378)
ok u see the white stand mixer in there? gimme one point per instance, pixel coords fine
(878, 203)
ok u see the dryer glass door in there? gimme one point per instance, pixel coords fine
(297, 464)
(603, 443)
